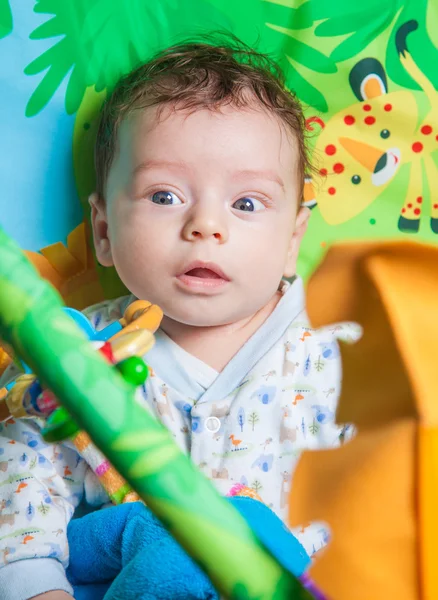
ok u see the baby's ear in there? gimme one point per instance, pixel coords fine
(99, 223)
(301, 224)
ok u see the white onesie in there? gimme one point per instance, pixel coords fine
(247, 424)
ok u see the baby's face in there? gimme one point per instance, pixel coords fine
(200, 212)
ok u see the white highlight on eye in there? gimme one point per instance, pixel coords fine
(254, 201)
(166, 195)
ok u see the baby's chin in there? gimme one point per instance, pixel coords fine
(198, 320)
(219, 312)
(206, 318)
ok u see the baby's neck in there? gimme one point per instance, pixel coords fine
(217, 345)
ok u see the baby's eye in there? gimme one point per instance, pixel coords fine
(248, 205)
(165, 198)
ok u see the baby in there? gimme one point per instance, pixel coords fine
(200, 163)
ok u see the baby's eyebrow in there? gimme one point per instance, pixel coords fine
(157, 163)
(259, 174)
(181, 166)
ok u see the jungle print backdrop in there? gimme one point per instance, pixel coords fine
(366, 72)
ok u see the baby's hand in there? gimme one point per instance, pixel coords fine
(53, 595)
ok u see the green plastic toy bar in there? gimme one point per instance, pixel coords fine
(141, 449)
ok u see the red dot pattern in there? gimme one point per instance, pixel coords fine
(403, 210)
(417, 147)
(419, 199)
(331, 191)
(435, 205)
(417, 211)
(370, 120)
(409, 205)
(349, 120)
(330, 149)
(338, 168)
(426, 129)
(367, 107)
(323, 172)
(388, 107)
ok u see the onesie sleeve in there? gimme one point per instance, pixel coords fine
(324, 408)
(40, 486)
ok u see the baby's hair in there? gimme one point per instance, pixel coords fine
(200, 75)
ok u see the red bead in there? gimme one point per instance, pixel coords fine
(417, 147)
(349, 120)
(367, 107)
(387, 107)
(426, 129)
(370, 120)
(332, 191)
(107, 352)
(330, 149)
(338, 168)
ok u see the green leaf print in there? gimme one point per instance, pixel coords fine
(6, 22)
(279, 11)
(321, 9)
(43, 509)
(314, 427)
(105, 39)
(253, 419)
(304, 54)
(351, 21)
(293, 24)
(256, 486)
(305, 91)
(361, 38)
(319, 364)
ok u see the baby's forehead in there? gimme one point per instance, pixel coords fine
(250, 127)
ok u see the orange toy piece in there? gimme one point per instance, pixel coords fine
(5, 360)
(378, 492)
(70, 269)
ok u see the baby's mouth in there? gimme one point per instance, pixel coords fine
(203, 273)
(203, 277)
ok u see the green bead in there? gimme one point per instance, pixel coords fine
(59, 426)
(134, 370)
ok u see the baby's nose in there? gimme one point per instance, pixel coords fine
(198, 234)
(204, 228)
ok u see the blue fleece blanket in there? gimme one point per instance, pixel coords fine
(124, 553)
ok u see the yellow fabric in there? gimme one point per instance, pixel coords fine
(365, 492)
(428, 506)
(379, 492)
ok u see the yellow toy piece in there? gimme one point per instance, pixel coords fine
(378, 492)
(140, 314)
(12, 403)
(132, 343)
